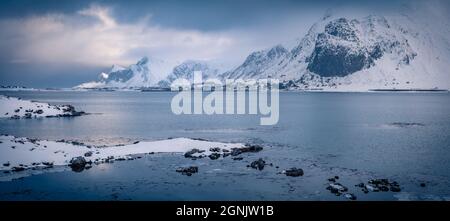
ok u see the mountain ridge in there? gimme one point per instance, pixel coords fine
(338, 53)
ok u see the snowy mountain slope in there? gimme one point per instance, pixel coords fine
(145, 73)
(186, 70)
(345, 53)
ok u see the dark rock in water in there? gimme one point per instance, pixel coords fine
(17, 169)
(336, 177)
(251, 148)
(188, 171)
(214, 156)
(78, 163)
(258, 164)
(350, 196)
(238, 158)
(395, 189)
(422, 185)
(136, 142)
(294, 172)
(337, 188)
(27, 115)
(88, 154)
(6, 164)
(247, 149)
(332, 179)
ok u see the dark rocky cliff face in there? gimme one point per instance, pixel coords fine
(330, 60)
(338, 51)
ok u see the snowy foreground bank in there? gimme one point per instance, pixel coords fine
(18, 154)
(16, 108)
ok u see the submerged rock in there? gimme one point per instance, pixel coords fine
(350, 196)
(293, 172)
(258, 164)
(188, 171)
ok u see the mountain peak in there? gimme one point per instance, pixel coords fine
(143, 61)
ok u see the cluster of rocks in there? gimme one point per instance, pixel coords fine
(217, 152)
(247, 149)
(188, 171)
(338, 189)
(379, 185)
(33, 166)
(73, 142)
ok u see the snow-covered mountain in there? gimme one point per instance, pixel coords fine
(145, 73)
(186, 70)
(346, 53)
(408, 49)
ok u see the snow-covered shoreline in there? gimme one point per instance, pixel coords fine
(18, 153)
(16, 108)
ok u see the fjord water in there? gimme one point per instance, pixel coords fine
(356, 136)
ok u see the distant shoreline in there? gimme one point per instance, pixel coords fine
(409, 90)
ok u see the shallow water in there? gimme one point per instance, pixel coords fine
(356, 136)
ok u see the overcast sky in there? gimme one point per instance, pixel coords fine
(63, 43)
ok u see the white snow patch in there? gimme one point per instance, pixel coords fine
(18, 108)
(24, 152)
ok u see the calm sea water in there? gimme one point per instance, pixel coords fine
(346, 134)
